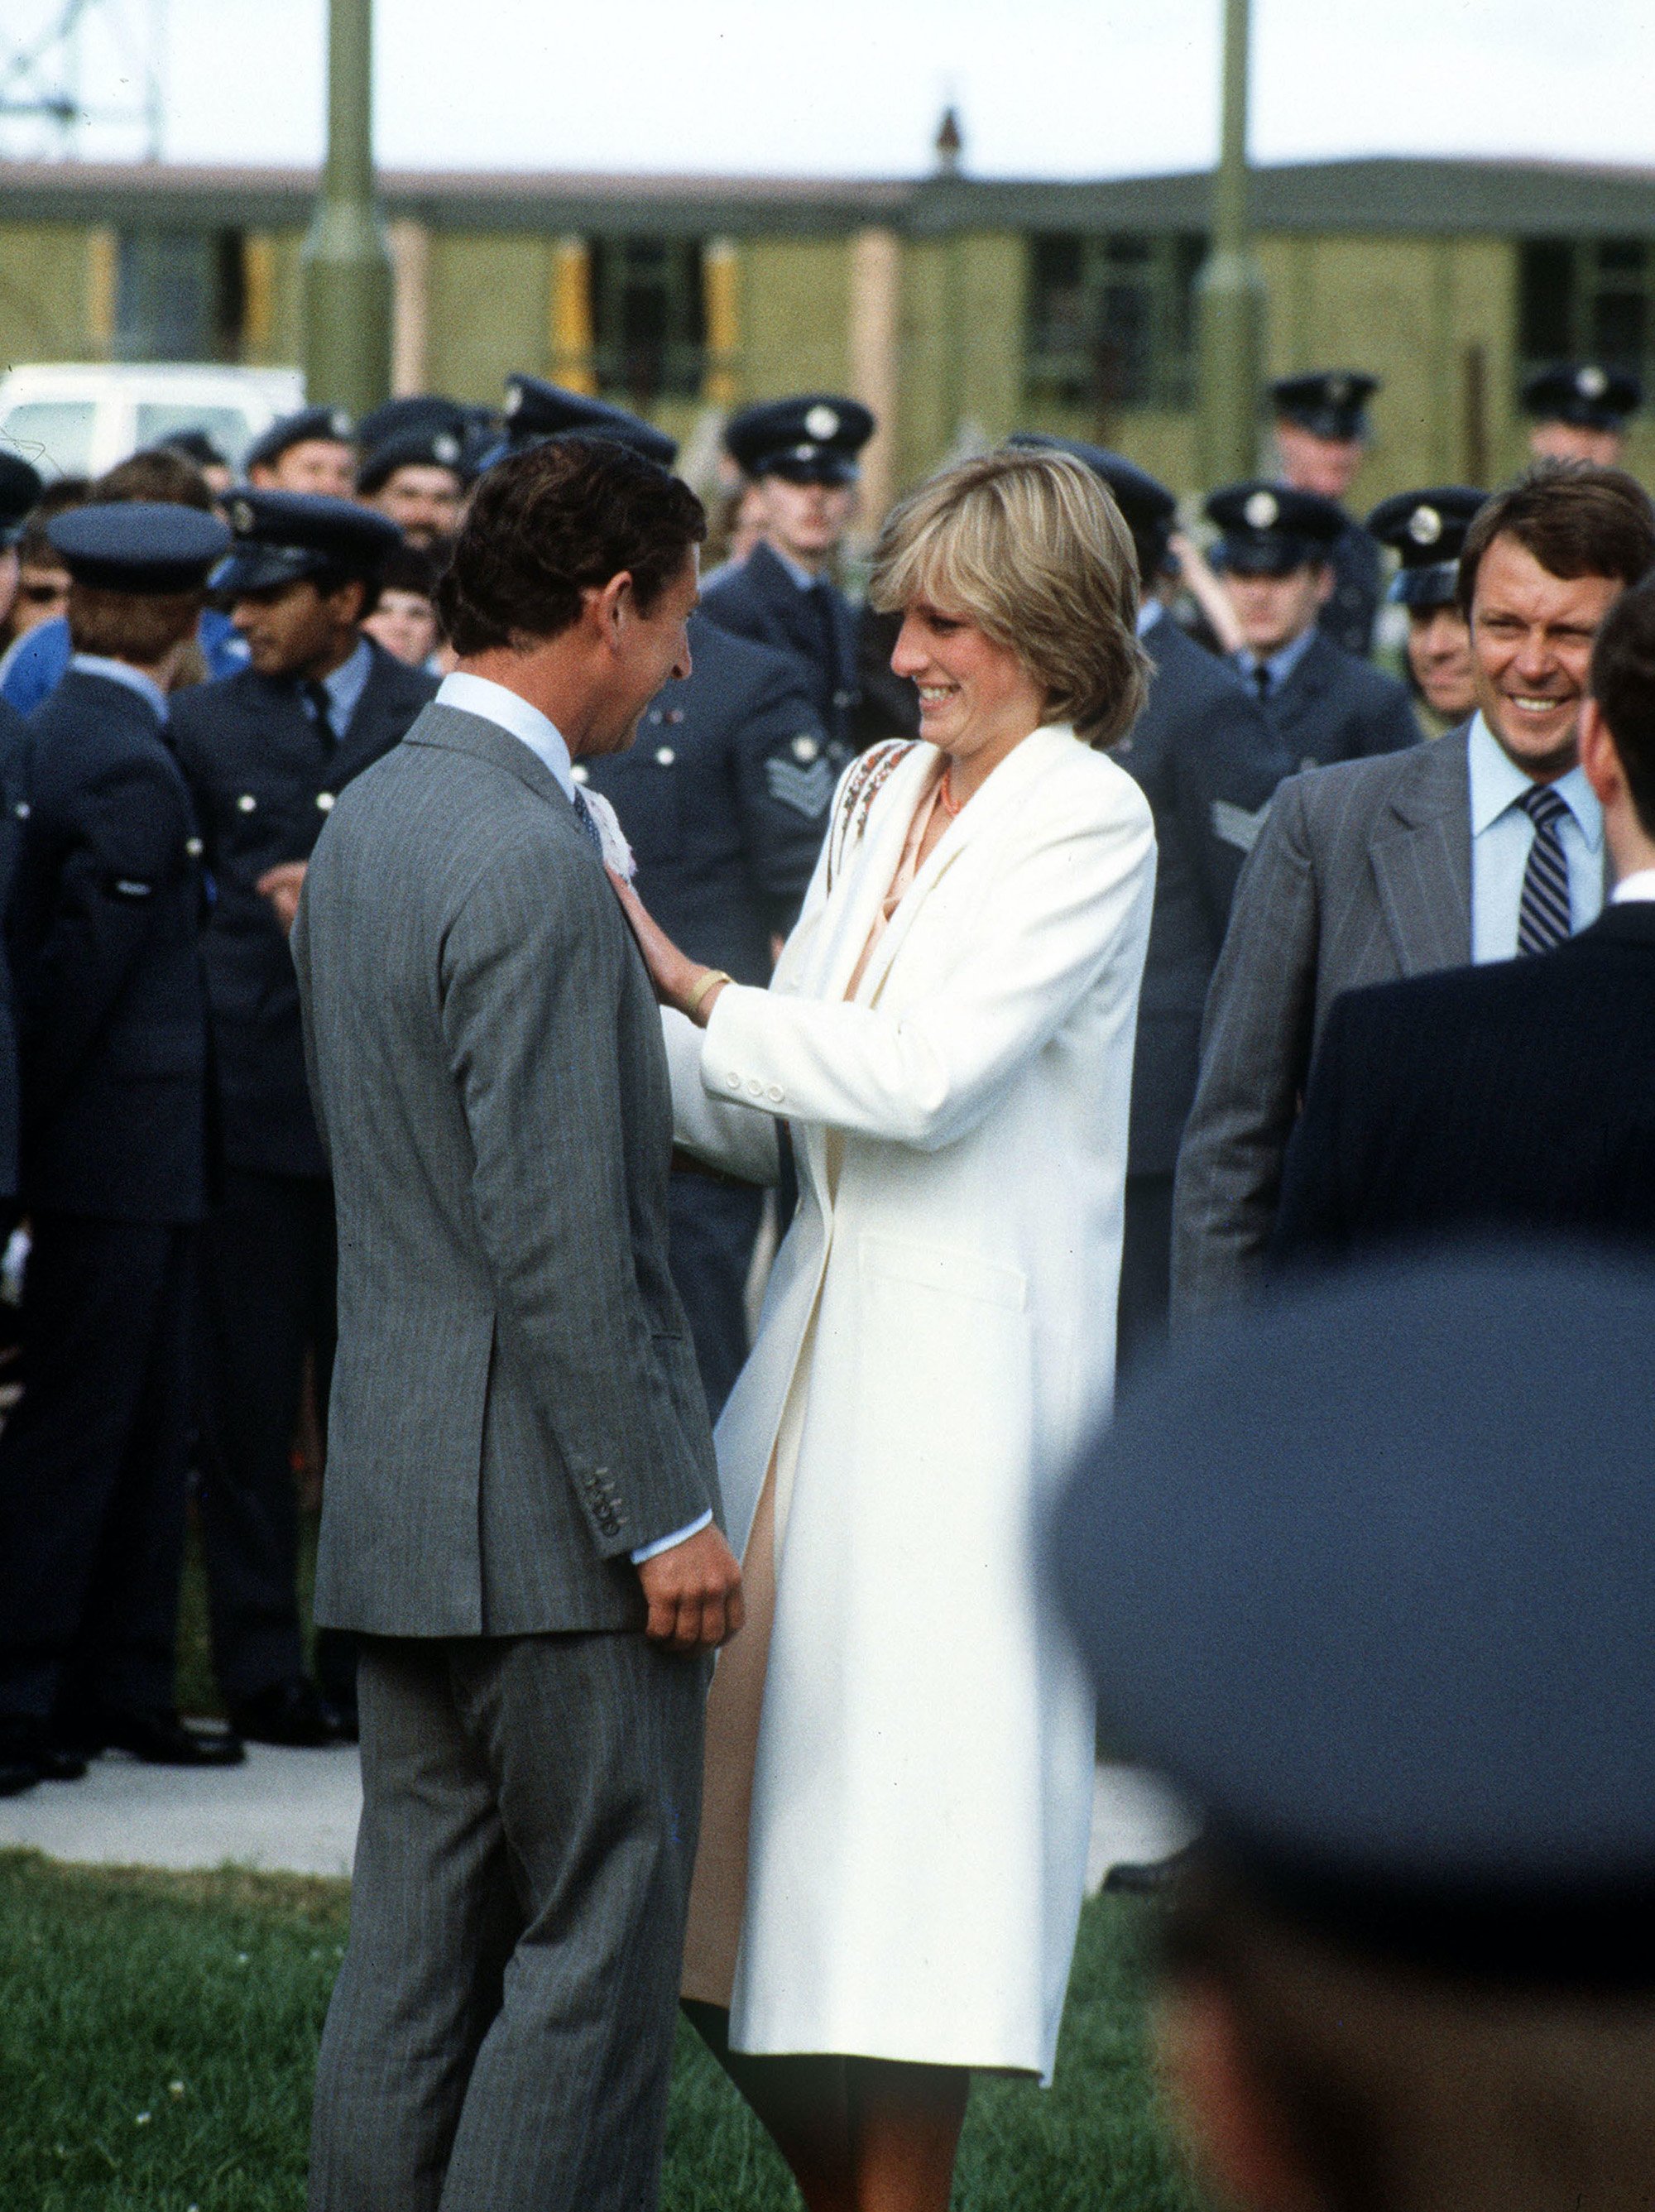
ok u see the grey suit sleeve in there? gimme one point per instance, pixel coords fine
(1256, 1047)
(531, 981)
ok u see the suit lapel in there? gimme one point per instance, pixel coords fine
(1421, 859)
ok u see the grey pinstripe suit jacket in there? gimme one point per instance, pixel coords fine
(1362, 873)
(515, 1404)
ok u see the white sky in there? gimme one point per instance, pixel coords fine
(1046, 88)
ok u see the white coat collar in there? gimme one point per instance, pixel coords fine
(1003, 791)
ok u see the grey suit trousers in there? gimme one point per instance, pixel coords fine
(501, 2034)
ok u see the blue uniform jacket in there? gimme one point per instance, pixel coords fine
(103, 927)
(761, 601)
(264, 779)
(724, 799)
(1334, 708)
(1208, 761)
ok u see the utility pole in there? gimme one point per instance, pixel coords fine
(347, 262)
(1230, 289)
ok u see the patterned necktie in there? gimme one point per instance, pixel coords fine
(1261, 679)
(1542, 916)
(316, 693)
(589, 822)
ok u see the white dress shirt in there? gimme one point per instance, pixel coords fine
(1631, 889)
(1502, 836)
(511, 712)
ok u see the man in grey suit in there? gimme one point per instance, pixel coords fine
(519, 1520)
(1485, 843)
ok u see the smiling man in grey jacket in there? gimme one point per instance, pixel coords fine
(522, 1500)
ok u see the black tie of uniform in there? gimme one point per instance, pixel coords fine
(316, 694)
(1261, 679)
(1543, 915)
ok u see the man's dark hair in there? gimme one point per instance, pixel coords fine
(1576, 519)
(561, 518)
(1623, 682)
(157, 472)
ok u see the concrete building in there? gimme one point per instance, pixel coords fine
(958, 308)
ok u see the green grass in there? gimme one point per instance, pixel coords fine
(197, 2000)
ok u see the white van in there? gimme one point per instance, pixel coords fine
(79, 418)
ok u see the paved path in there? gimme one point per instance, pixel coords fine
(296, 1811)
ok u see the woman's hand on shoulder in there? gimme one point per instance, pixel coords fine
(679, 982)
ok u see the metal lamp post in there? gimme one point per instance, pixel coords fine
(1230, 289)
(347, 264)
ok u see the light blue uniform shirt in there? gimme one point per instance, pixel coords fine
(1281, 665)
(1502, 836)
(345, 686)
(121, 672)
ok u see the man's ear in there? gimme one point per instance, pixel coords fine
(1597, 754)
(609, 609)
(1235, 2133)
(348, 601)
(1325, 581)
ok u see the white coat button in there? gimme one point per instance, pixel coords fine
(325, 800)
(774, 1094)
(733, 1081)
(245, 803)
(754, 1086)
(665, 755)
(192, 846)
(578, 772)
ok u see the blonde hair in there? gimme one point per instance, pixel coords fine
(1029, 546)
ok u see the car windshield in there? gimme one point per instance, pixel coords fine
(54, 434)
(227, 427)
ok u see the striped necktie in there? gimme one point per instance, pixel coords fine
(589, 822)
(1543, 914)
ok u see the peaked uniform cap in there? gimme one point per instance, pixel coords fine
(536, 410)
(331, 423)
(149, 547)
(1329, 403)
(1268, 529)
(430, 446)
(280, 536)
(1362, 1569)
(1426, 529)
(813, 437)
(1584, 393)
(20, 486)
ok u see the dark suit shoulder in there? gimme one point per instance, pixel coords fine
(398, 687)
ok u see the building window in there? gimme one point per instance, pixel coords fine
(1112, 320)
(179, 295)
(1587, 300)
(648, 318)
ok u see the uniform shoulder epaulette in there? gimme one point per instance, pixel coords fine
(862, 787)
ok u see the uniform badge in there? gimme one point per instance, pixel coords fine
(1262, 511)
(1591, 383)
(1424, 526)
(822, 423)
(242, 517)
(514, 400)
(806, 790)
(340, 423)
(445, 448)
(129, 888)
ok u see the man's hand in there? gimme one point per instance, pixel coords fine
(694, 1593)
(282, 885)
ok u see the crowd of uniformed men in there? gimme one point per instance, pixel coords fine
(198, 661)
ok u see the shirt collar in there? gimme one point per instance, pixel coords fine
(511, 712)
(345, 686)
(1634, 890)
(802, 577)
(1281, 664)
(1497, 783)
(1150, 611)
(120, 671)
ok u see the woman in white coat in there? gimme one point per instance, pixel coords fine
(899, 1755)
